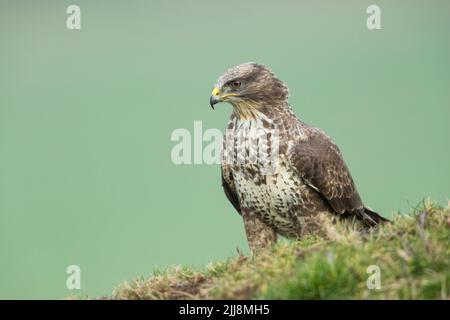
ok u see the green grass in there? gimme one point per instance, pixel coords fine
(412, 253)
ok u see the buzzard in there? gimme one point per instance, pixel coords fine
(308, 175)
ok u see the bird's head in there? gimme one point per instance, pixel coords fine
(249, 87)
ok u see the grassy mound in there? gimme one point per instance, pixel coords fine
(412, 254)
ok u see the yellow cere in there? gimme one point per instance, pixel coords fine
(215, 92)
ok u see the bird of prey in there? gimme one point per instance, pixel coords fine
(310, 175)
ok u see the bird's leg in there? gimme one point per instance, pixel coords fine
(259, 234)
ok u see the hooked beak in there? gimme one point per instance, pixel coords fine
(215, 97)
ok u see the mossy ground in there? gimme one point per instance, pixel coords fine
(412, 252)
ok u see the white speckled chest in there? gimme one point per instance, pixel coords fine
(276, 196)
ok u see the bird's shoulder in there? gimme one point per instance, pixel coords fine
(315, 142)
(318, 160)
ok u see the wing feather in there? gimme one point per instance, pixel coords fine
(319, 162)
(229, 188)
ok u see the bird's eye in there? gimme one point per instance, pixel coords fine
(235, 84)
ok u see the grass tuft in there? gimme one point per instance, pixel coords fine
(412, 254)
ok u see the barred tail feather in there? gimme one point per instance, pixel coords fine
(372, 218)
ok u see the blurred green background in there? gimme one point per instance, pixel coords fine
(86, 116)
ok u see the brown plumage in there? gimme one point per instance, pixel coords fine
(307, 172)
